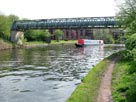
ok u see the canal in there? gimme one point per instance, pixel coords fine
(46, 74)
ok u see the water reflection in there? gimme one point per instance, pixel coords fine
(46, 74)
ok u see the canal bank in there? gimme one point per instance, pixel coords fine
(53, 43)
(95, 87)
(7, 45)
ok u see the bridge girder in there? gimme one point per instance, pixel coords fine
(65, 23)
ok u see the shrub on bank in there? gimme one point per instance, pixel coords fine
(130, 52)
(124, 76)
(131, 42)
(123, 82)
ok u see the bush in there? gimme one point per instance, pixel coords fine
(131, 42)
(126, 55)
(36, 35)
(125, 90)
(131, 47)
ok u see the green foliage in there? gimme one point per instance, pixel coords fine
(108, 39)
(4, 27)
(104, 34)
(119, 83)
(36, 35)
(5, 24)
(131, 42)
(58, 33)
(131, 93)
(121, 39)
(47, 33)
(127, 14)
(126, 55)
(13, 18)
(130, 52)
(124, 75)
(124, 88)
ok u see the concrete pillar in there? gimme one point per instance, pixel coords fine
(17, 37)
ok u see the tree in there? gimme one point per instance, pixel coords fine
(131, 42)
(13, 18)
(103, 34)
(58, 33)
(4, 27)
(46, 33)
(46, 36)
(127, 14)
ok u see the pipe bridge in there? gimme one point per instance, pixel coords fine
(72, 27)
(66, 23)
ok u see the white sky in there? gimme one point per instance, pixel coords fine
(43, 9)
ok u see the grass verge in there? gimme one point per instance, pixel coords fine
(87, 91)
(33, 42)
(52, 42)
(117, 85)
(64, 42)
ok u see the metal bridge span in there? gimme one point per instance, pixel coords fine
(73, 28)
(66, 23)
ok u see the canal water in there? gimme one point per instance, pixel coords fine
(46, 74)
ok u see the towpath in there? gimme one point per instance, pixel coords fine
(104, 94)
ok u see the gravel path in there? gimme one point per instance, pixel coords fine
(104, 94)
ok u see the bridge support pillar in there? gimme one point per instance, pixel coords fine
(73, 34)
(83, 33)
(78, 33)
(69, 33)
(65, 32)
(17, 37)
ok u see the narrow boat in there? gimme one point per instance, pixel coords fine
(79, 45)
(84, 42)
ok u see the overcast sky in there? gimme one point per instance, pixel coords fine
(43, 9)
